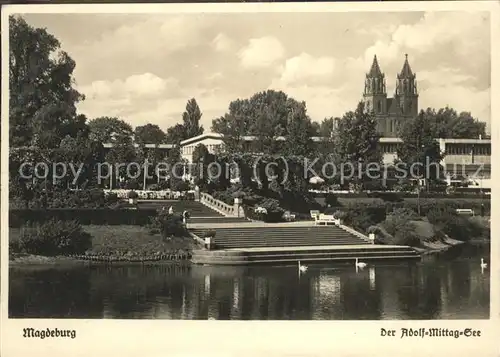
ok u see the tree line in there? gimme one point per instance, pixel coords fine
(45, 125)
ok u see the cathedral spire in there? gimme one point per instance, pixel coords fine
(406, 71)
(375, 68)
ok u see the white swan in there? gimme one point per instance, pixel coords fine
(360, 264)
(483, 264)
(302, 268)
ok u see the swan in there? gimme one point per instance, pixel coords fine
(483, 264)
(360, 264)
(302, 268)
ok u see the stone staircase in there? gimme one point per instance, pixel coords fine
(292, 236)
(310, 255)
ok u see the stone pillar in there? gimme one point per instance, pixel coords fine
(442, 149)
(237, 204)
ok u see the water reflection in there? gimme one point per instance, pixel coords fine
(436, 289)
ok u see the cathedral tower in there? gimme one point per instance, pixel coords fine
(375, 94)
(406, 91)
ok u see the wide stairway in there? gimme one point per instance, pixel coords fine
(293, 236)
(276, 244)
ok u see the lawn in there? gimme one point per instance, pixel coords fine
(128, 241)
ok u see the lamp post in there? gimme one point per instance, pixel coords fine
(418, 182)
(145, 174)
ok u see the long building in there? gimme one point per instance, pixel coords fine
(464, 157)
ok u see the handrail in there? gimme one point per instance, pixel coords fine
(355, 232)
(216, 204)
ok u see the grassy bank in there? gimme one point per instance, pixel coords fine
(115, 244)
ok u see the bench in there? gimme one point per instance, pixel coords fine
(465, 211)
(314, 213)
(326, 219)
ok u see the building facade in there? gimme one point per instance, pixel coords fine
(391, 112)
(463, 157)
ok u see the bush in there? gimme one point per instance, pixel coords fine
(332, 200)
(133, 195)
(154, 187)
(179, 185)
(169, 225)
(360, 218)
(85, 216)
(64, 198)
(387, 196)
(373, 229)
(340, 215)
(172, 226)
(132, 184)
(238, 194)
(54, 238)
(405, 235)
(455, 226)
(164, 185)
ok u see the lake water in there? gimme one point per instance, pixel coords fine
(450, 286)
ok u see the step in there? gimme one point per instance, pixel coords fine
(306, 255)
(310, 260)
(289, 244)
(301, 250)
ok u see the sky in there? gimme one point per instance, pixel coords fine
(143, 68)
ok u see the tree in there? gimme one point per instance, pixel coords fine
(176, 134)
(447, 123)
(120, 155)
(201, 159)
(266, 116)
(233, 128)
(356, 144)
(109, 129)
(299, 130)
(42, 97)
(419, 151)
(191, 119)
(149, 134)
(327, 127)
(316, 128)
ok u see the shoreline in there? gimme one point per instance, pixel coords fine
(40, 261)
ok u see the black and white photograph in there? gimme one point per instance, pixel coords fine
(265, 165)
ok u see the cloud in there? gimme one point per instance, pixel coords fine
(261, 52)
(222, 43)
(306, 68)
(138, 85)
(461, 98)
(144, 68)
(147, 40)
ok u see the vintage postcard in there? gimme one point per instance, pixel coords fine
(297, 179)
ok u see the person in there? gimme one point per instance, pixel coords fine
(171, 210)
(482, 209)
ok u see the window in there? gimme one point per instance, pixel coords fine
(380, 106)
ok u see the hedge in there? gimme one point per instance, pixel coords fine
(84, 216)
(378, 208)
(395, 196)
